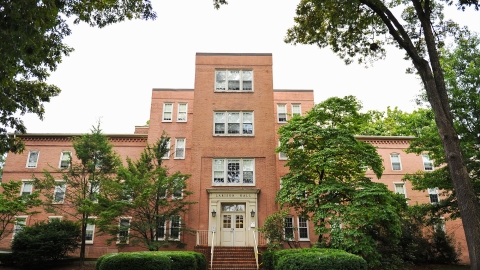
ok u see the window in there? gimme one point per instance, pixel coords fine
(167, 112)
(396, 164)
(177, 192)
(180, 148)
(302, 228)
(282, 155)
(51, 218)
(20, 223)
(233, 171)
(440, 225)
(233, 123)
(161, 228)
(182, 112)
(296, 110)
(427, 163)
(433, 194)
(90, 232)
(123, 230)
(233, 80)
(175, 228)
(288, 229)
(400, 189)
(166, 155)
(32, 159)
(27, 188)
(281, 113)
(59, 192)
(65, 159)
(94, 191)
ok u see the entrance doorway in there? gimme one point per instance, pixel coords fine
(233, 224)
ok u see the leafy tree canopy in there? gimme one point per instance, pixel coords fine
(31, 47)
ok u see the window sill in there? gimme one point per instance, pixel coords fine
(233, 135)
(233, 91)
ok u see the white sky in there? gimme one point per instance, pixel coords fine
(112, 71)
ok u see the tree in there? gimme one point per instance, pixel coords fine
(155, 200)
(273, 230)
(359, 29)
(2, 164)
(83, 188)
(31, 46)
(44, 242)
(13, 204)
(327, 182)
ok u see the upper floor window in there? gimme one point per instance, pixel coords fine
(233, 123)
(65, 159)
(32, 159)
(27, 188)
(281, 113)
(182, 112)
(59, 192)
(167, 112)
(427, 163)
(396, 163)
(233, 171)
(433, 194)
(296, 110)
(282, 155)
(400, 189)
(180, 148)
(233, 80)
(166, 155)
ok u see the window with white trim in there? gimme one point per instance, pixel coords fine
(167, 112)
(161, 228)
(90, 232)
(281, 113)
(27, 188)
(32, 159)
(65, 157)
(182, 112)
(282, 155)
(51, 218)
(427, 163)
(59, 192)
(167, 154)
(433, 195)
(234, 80)
(440, 225)
(396, 163)
(179, 148)
(400, 189)
(288, 229)
(174, 229)
(302, 228)
(231, 171)
(296, 110)
(20, 223)
(177, 192)
(93, 191)
(123, 230)
(233, 123)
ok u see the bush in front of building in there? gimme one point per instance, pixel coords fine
(181, 260)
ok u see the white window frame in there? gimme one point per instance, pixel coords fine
(296, 109)
(32, 164)
(180, 148)
(282, 155)
(427, 163)
(167, 109)
(220, 166)
(182, 112)
(225, 122)
(90, 227)
(65, 158)
(167, 154)
(175, 197)
(400, 185)
(225, 88)
(394, 162)
(119, 241)
(440, 225)
(290, 227)
(94, 190)
(20, 223)
(60, 186)
(29, 184)
(170, 238)
(282, 113)
(164, 227)
(50, 218)
(433, 192)
(303, 225)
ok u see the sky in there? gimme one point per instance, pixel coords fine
(111, 74)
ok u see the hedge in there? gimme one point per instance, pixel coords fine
(168, 260)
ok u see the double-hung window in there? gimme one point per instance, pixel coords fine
(281, 113)
(182, 112)
(180, 148)
(232, 171)
(167, 112)
(433, 194)
(59, 192)
(20, 223)
(32, 159)
(400, 189)
(65, 159)
(234, 80)
(90, 232)
(161, 227)
(427, 163)
(177, 192)
(233, 123)
(282, 155)
(396, 163)
(175, 223)
(296, 110)
(166, 155)
(27, 188)
(123, 230)
(302, 228)
(288, 229)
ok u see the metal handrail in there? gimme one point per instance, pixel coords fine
(255, 248)
(211, 251)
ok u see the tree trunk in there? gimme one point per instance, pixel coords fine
(82, 245)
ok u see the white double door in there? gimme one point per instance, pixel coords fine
(233, 229)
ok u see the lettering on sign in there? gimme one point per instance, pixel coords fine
(234, 195)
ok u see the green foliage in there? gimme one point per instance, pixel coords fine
(273, 230)
(31, 42)
(45, 242)
(12, 205)
(2, 164)
(267, 260)
(6, 259)
(153, 260)
(312, 259)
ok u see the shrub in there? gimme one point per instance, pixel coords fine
(153, 260)
(267, 260)
(6, 259)
(316, 258)
(45, 242)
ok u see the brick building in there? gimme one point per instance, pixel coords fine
(223, 133)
